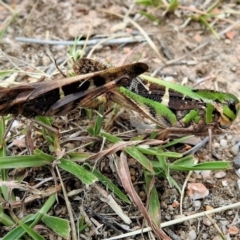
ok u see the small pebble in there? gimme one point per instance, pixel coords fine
(170, 208)
(238, 183)
(132, 171)
(46, 60)
(186, 203)
(16, 124)
(220, 174)
(217, 238)
(229, 213)
(168, 217)
(196, 205)
(175, 204)
(192, 235)
(224, 229)
(197, 191)
(206, 221)
(235, 149)
(206, 174)
(224, 222)
(227, 41)
(223, 143)
(222, 136)
(229, 137)
(179, 216)
(224, 183)
(216, 145)
(233, 230)
(208, 208)
(205, 236)
(235, 139)
(169, 79)
(236, 161)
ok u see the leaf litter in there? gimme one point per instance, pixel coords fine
(61, 20)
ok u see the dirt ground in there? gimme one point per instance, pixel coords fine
(189, 54)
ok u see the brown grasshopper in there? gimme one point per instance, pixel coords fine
(192, 111)
(55, 98)
(59, 97)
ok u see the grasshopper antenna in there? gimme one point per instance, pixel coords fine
(55, 62)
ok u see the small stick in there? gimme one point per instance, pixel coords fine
(82, 42)
(51, 129)
(28, 139)
(6, 132)
(55, 61)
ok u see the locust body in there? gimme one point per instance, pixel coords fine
(56, 98)
(171, 106)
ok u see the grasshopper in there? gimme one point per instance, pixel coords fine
(182, 110)
(55, 98)
(176, 109)
(60, 96)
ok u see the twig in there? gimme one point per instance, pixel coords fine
(8, 7)
(104, 41)
(216, 226)
(197, 147)
(69, 207)
(10, 59)
(82, 42)
(179, 220)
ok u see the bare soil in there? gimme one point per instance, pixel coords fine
(201, 57)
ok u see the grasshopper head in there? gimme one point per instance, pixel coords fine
(228, 112)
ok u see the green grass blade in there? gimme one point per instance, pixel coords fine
(4, 172)
(111, 138)
(74, 52)
(202, 166)
(153, 3)
(85, 176)
(5, 73)
(30, 221)
(96, 128)
(187, 91)
(9, 162)
(203, 19)
(175, 141)
(58, 225)
(173, 5)
(80, 172)
(78, 156)
(82, 225)
(108, 183)
(7, 23)
(150, 17)
(187, 160)
(5, 220)
(154, 204)
(156, 152)
(48, 135)
(31, 232)
(133, 152)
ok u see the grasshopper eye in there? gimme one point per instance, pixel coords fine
(228, 113)
(232, 106)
